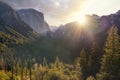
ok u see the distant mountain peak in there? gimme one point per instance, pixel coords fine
(9, 17)
(31, 10)
(34, 19)
(118, 12)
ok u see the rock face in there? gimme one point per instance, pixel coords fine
(96, 30)
(34, 19)
(100, 25)
(107, 21)
(10, 18)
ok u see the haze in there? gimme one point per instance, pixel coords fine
(58, 12)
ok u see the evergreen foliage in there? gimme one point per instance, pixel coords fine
(85, 67)
(110, 68)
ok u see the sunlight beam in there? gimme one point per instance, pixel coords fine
(82, 21)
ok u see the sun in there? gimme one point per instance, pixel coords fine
(57, 4)
(82, 20)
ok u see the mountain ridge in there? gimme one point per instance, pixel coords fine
(67, 40)
(34, 19)
(9, 17)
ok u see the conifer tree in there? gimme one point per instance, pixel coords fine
(78, 68)
(112, 45)
(90, 78)
(83, 62)
(45, 62)
(94, 59)
(58, 64)
(110, 68)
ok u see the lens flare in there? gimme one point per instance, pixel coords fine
(82, 20)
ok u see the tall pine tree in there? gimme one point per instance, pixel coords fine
(110, 64)
(94, 59)
(83, 63)
(77, 69)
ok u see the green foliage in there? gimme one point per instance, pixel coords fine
(16, 34)
(112, 45)
(8, 39)
(94, 59)
(110, 68)
(57, 63)
(55, 75)
(77, 69)
(49, 48)
(83, 62)
(83, 58)
(45, 62)
(3, 47)
(90, 78)
(31, 68)
(4, 76)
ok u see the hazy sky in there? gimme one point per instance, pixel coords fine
(58, 12)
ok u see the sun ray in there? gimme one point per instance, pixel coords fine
(82, 20)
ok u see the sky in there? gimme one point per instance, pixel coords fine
(57, 12)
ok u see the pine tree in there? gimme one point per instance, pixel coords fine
(94, 59)
(21, 62)
(30, 62)
(90, 65)
(45, 62)
(83, 63)
(112, 45)
(90, 78)
(110, 68)
(58, 63)
(78, 68)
